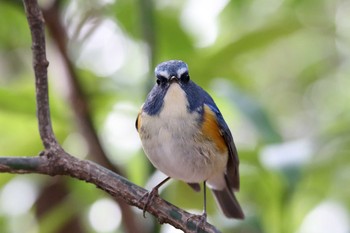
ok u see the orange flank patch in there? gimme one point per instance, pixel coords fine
(138, 122)
(211, 129)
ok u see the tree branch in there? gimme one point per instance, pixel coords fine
(81, 110)
(40, 64)
(55, 161)
(61, 163)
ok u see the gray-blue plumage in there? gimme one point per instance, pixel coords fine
(194, 93)
(170, 67)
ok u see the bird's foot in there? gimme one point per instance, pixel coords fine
(149, 198)
(202, 219)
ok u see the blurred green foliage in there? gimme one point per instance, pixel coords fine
(278, 69)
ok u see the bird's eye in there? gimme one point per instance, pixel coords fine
(160, 80)
(185, 77)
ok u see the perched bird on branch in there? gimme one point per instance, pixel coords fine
(185, 136)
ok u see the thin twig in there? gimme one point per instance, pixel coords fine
(82, 112)
(40, 64)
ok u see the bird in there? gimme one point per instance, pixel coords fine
(185, 136)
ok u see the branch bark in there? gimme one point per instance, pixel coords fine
(81, 110)
(55, 161)
(61, 163)
(40, 64)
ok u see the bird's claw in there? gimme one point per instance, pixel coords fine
(202, 219)
(149, 196)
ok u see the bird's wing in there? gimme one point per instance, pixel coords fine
(232, 171)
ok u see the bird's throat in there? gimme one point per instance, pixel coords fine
(175, 102)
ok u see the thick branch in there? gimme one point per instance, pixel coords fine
(117, 186)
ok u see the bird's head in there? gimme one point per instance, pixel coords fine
(173, 71)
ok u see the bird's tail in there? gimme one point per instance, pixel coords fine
(228, 203)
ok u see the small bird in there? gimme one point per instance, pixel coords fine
(185, 136)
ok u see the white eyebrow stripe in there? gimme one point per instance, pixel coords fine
(163, 73)
(181, 71)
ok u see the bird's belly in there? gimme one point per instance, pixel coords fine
(180, 151)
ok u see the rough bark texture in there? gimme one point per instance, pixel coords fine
(81, 109)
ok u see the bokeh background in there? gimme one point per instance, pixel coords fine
(279, 70)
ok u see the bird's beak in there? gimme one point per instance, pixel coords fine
(173, 79)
